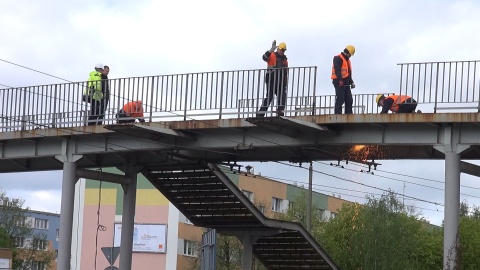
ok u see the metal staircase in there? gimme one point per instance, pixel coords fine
(208, 198)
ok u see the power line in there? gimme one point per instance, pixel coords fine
(34, 70)
(413, 183)
(362, 184)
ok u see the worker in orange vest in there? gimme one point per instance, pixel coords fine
(131, 111)
(276, 77)
(396, 103)
(342, 80)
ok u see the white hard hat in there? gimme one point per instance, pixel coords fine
(99, 66)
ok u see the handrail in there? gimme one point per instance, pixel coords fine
(436, 86)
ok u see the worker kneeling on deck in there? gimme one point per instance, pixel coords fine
(396, 103)
(131, 111)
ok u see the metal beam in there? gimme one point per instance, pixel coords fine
(469, 168)
(103, 176)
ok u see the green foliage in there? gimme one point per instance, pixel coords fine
(383, 234)
(4, 239)
(13, 224)
(469, 244)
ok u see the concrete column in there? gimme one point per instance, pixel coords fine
(66, 215)
(247, 260)
(452, 148)
(128, 222)
(452, 206)
(309, 198)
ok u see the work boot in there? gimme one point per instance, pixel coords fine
(280, 113)
(260, 114)
(419, 111)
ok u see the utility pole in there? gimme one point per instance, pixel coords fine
(309, 198)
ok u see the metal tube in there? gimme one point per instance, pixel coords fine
(309, 198)
(66, 216)
(128, 222)
(452, 206)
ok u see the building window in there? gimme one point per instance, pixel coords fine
(262, 209)
(189, 248)
(58, 234)
(38, 266)
(41, 224)
(333, 215)
(40, 244)
(276, 204)
(248, 194)
(18, 242)
(19, 221)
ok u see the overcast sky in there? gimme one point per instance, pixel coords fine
(138, 38)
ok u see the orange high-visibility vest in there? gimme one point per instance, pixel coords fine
(397, 99)
(345, 70)
(272, 62)
(134, 109)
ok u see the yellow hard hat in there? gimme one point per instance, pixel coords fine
(379, 96)
(282, 46)
(350, 49)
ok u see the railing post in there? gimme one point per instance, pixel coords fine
(151, 99)
(186, 99)
(436, 91)
(221, 96)
(314, 89)
(24, 114)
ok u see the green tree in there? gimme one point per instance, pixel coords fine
(4, 239)
(19, 235)
(469, 243)
(382, 234)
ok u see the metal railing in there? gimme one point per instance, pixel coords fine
(204, 95)
(230, 94)
(442, 85)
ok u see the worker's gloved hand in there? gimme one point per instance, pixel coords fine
(341, 83)
(274, 46)
(352, 85)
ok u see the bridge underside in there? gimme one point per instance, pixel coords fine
(268, 139)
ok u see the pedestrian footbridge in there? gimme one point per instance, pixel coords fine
(198, 120)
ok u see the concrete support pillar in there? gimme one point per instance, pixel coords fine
(452, 206)
(67, 202)
(452, 148)
(247, 260)
(66, 215)
(128, 219)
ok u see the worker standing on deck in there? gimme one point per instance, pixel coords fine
(94, 94)
(396, 103)
(276, 77)
(342, 80)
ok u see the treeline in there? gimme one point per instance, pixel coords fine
(382, 234)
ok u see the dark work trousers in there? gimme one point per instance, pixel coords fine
(408, 106)
(275, 86)
(343, 95)
(121, 115)
(97, 112)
